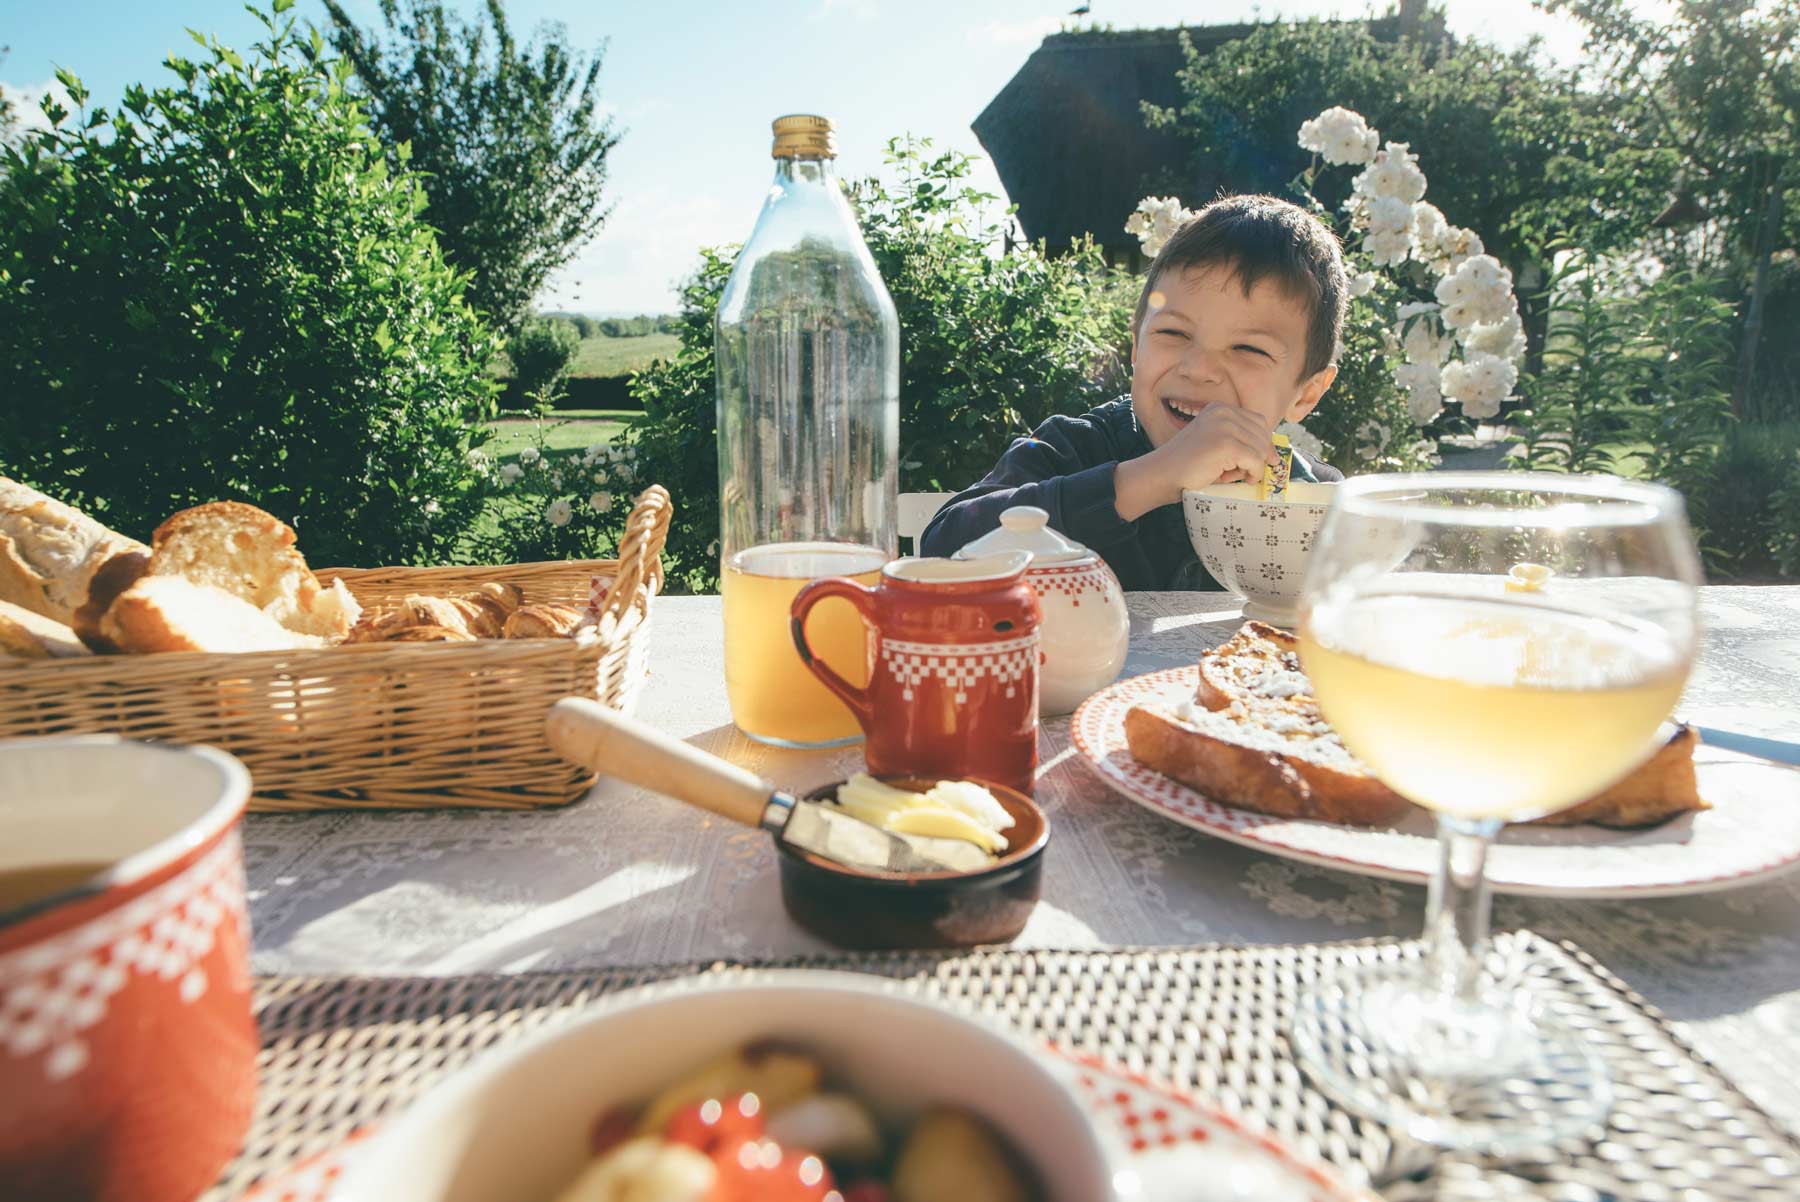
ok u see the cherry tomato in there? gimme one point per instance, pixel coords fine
(717, 1123)
(761, 1170)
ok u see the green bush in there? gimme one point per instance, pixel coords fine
(555, 504)
(541, 353)
(222, 290)
(1744, 508)
(990, 347)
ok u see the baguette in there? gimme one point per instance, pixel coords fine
(61, 563)
(28, 635)
(1253, 736)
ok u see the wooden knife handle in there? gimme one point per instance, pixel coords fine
(607, 741)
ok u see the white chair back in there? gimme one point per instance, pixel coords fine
(916, 511)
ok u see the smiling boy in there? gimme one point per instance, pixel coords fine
(1236, 331)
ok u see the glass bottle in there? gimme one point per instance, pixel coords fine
(808, 356)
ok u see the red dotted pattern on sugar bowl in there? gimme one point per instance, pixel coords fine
(1073, 582)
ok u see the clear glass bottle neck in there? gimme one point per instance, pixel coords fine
(805, 171)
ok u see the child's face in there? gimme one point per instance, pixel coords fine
(1204, 342)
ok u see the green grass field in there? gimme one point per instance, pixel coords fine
(565, 430)
(603, 357)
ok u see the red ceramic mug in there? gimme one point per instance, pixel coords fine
(127, 1045)
(952, 665)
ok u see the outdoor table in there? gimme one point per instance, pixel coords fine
(626, 878)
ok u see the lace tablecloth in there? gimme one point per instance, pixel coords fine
(627, 878)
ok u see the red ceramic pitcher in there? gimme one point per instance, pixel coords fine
(952, 665)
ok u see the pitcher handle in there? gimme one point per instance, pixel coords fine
(809, 596)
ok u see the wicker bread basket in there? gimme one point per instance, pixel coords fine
(379, 725)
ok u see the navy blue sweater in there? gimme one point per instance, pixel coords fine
(1066, 469)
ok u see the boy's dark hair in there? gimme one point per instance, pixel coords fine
(1260, 237)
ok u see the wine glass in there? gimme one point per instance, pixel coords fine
(1496, 646)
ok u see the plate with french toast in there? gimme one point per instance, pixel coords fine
(1235, 746)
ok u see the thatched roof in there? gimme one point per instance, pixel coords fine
(1067, 133)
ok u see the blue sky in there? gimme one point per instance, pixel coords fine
(694, 84)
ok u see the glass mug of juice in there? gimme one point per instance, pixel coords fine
(774, 698)
(808, 354)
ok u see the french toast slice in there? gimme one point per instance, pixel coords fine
(1253, 736)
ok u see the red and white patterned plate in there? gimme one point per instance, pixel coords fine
(1752, 830)
(1164, 1139)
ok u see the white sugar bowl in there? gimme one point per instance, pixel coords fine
(1085, 628)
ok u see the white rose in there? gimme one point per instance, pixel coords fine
(1395, 172)
(529, 456)
(430, 508)
(1155, 221)
(1339, 136)
(478, 460)
(555, 479)
(510, 473)
(1477, 293)
(600, 502)
(1363, 283)
(1424, 399)
(626, 471)
(1503, 338)
(1390, 214)
(1429, 225)
(1460, 246)
(558, 512)
(1422, 339)
(1302, 439)
(1479, 383)
(1387, 249)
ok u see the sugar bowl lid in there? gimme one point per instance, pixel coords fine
(1026, 528)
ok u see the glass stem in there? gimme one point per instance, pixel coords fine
(1456, 916)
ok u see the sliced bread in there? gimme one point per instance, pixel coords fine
(1254, 736)
(172, 613)
(250, 554)
(28, 635)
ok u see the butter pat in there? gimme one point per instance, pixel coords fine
(950, 809)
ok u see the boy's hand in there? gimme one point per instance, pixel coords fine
(1221, 445)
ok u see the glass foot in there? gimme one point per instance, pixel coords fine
(1481, 1075)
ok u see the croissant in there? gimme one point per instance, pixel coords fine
(544, 621)
(427, 634)
(481, 614)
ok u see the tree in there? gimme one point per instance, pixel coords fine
(510, 138)
(1712, 88)
(1514, 145)
(222, 291)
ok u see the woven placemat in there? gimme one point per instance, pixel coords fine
(340, 1053)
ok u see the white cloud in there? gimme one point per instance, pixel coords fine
(1028, 32)
(648, 246)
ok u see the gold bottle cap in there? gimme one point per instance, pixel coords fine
(801, 136)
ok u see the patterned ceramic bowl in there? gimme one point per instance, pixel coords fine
(127, 1047)
(1257, 549)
